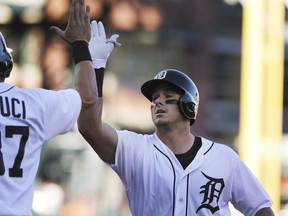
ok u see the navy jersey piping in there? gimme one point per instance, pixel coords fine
(7, 89)
(173, 209)
(209, 149)
(187, 194)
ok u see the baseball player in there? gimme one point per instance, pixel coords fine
(28, 118)
(170, 172)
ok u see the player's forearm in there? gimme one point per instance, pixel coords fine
(89, 120)
(101, 136)
(85, 84)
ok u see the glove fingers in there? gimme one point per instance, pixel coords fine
(101, 30)
(113, 39)
(94, 28)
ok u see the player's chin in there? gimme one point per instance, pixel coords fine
(158, 122)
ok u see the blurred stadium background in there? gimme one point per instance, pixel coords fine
(202, 38)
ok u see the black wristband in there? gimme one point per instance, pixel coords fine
(99, 79)
(80, 51)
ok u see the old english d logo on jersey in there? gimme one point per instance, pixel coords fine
(161, 75)
(211, 193)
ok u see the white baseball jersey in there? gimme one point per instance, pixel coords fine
(28, 118)
(156, 183)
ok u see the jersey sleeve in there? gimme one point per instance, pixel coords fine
(128, 146)
(62, 109)
(248, 194)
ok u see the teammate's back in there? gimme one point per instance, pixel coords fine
(28, 118)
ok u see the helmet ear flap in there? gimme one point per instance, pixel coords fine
(188, 107)
(6, 68)
(6, 60)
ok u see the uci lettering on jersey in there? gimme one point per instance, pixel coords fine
(12, 107)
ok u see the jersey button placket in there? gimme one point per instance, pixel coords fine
(181, 187)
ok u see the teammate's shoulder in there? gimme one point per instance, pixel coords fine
(5, 86)
(42, 92)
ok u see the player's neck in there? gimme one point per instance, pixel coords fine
(178, 140)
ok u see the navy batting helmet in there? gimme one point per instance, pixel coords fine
(6, 60)
(189, 100)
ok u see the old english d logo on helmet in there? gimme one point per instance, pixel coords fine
(189, 100)
(6, 60)
(161, 75)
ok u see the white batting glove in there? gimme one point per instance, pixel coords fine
(99, 46)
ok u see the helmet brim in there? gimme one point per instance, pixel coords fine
(148, 87)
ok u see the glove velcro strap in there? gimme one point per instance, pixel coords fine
(98, 63)
(80, 51)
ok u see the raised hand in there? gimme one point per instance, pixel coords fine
(78, 27)
(100, 47)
